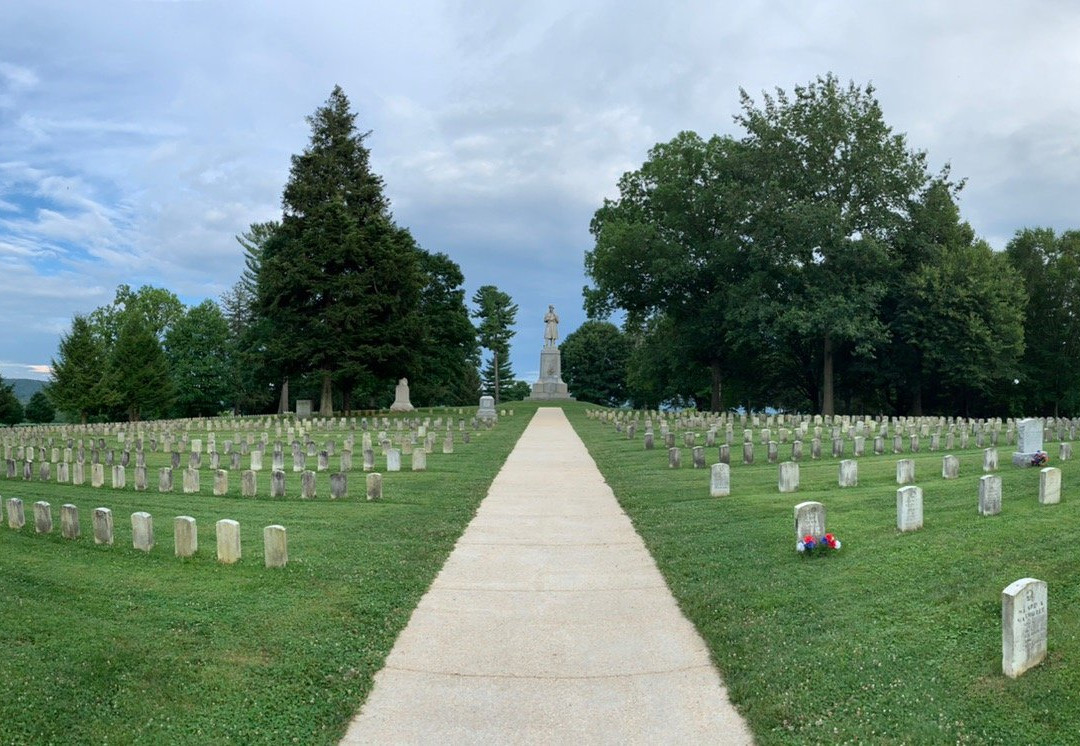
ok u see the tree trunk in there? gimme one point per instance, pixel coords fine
(283, 400)
(916, 399)
(717, 401)
(496, 358)
(827, 377)
(326, 401)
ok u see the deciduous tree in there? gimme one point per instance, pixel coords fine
(198, 352)
(1049, 266)
(39, 409)
(672, 245)
(594, 359)
(832, 187)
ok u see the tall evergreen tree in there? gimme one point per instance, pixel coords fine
(137, 381)
(77, 371)
(497, 314)
(338, 282)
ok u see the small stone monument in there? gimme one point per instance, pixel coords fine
(550, 386)
(401, 397)
(303, 407)
(487, 409)
(1029, 441)
(1023, 626)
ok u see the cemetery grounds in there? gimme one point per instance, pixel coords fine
(114, 645)
(896, 638)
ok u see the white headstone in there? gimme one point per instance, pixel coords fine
(809, 520)
(1049, 486)
(720, 481)
(849, 473)
(905, 471)
(1023, 626)
(142, 531)
(950, 467)
(275, 546)
(989, 494)
(228, 541)
(909, 508)
(789, 477)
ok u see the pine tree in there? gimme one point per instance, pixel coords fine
(138, 380)
(497, 314)
(338, 282)
(77, 371)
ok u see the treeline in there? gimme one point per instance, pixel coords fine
(336, 303)
(815, 264)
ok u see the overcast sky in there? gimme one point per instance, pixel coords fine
(137, 139)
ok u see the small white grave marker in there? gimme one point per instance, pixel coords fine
(1023, 626)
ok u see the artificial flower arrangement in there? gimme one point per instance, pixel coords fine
(809, 546)
(1039, 459)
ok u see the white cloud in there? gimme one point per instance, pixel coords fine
(17, 78)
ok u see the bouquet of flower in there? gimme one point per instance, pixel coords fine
(1039, 459)
(808, 545)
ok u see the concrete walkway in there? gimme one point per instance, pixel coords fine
(549, 624)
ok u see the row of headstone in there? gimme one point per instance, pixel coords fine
(33, 441)
(191, 482)
(849, 471)
(843, 425)
(185, 535)
(797, 453)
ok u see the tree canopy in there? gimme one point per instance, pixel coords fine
(814, 259)
(594, 360)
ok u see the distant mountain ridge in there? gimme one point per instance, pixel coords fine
(24, 388)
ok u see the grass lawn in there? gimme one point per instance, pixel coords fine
(894, 639)
(112, 645)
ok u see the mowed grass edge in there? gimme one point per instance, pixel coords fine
(113, 645)
(896, 638)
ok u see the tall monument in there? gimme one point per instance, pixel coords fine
(550, 385)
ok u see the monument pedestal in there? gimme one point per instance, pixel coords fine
(550, 386)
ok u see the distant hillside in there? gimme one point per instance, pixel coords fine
(24, 388)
